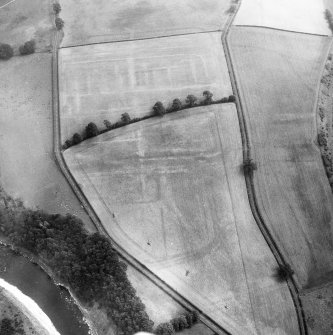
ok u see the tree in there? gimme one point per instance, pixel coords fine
(249, 166)
(231, 9)
(27, 48)
(107, 124)
(176, 105)
(59, 23)
(165, 329)
(77, 138)
(67, 144)
(6, 327)
(208, 97)
(195, 316)
(175, 324)
(232, 98)
(191, 100)
(159, 109)
(125, 118)
(56, 8)
(329, 19)
(189, 318)
(183, 322)
(283, 272)
(91, 130)
(6, 51)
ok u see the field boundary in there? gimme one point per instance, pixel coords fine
(209, 322)
(280, 29)
(280, 258)
(140, 39)
(316, 105)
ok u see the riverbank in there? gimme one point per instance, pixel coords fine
(68, 316)
(28, 310)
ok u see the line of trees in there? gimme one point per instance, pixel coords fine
(191, 101)
(158, 109)
(59, 22)
(177, 324)
(87, 263)
(7, 52)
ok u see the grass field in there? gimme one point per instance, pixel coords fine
(171, 192)
(278, 75)
(21, 21)
(296, 15)
(103, 81)
(111, 20)
(27, 168)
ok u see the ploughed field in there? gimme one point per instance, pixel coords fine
(278, 76)
(101, 82)
(296, 15)
(170, 191)
(111, 20)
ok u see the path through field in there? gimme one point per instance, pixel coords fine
(278, 75)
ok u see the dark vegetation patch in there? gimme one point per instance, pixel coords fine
(12, 325)
(27, 48)
(283, 272)
(329, 19)
(86, 263)
(59, 22)
(178, 324)
(6, 51)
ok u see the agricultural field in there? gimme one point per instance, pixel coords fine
(28, 169)
(296, 15)
(112, 20)
(278, 75)
(21, 22)
(99, 82)
(171, 192)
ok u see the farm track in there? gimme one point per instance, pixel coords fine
(90, 211)
(292, 284)
(248, 178)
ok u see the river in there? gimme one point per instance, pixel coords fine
(32, 281)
